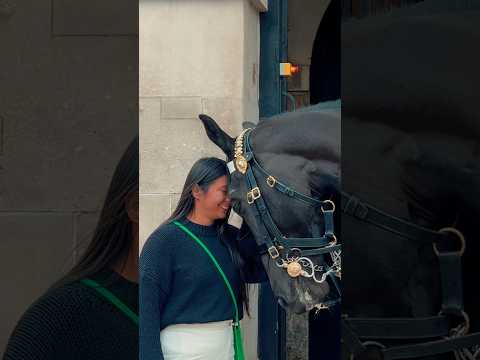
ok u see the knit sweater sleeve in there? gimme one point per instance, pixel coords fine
(152, 300)
(155, 278)
(35, 335)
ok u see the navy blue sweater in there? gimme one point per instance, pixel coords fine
(75, 322)
(179, 284)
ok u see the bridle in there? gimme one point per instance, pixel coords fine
(450, 326)
(290, 253)
(364, 335)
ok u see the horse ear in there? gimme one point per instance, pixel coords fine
(217, 135)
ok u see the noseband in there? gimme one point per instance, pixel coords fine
(290, 253)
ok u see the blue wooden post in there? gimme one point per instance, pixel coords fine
(273, 50)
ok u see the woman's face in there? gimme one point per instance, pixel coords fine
(215, 202)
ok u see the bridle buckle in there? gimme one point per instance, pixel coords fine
(273, 252)
(271, 181)
(253, 195)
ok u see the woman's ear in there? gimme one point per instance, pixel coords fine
(196, 191)
(131, 206)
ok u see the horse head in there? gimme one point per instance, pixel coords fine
(284, 181)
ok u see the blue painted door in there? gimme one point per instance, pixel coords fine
(273, 50)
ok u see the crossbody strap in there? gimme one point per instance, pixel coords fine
(215, 262)
(237, 333)
(111, 298)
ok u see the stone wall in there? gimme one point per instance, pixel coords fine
(196, 56)
(68, 109)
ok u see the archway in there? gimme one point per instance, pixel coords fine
(326, 56)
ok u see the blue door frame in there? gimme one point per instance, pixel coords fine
(273, 50)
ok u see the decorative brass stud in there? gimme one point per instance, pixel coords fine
(241, 164)
(294, 269)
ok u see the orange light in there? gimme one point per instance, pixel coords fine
(288, 69)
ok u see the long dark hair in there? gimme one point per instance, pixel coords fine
(203, 173)
(112, 238)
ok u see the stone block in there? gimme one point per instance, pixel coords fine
(71, 174)
(227, 112)
(71, 126)
(93, 18)
(181, 107)
(163, 174)
(169, 150)
(204, 42)
(149, 114)
(297, 339)
(250, 324)
(177, 139)
(7, 9)
(36, 249)
(154, 209)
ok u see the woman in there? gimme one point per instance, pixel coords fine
(186, 310)
(82, 316)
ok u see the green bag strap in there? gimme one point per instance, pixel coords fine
(112, 298)
(237, 334)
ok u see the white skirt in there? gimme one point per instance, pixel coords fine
(209, 341)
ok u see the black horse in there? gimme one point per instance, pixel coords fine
(297, 175)
(410, 186)
(410, 163)
(410, 148)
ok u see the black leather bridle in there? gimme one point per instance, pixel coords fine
(362, 335)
